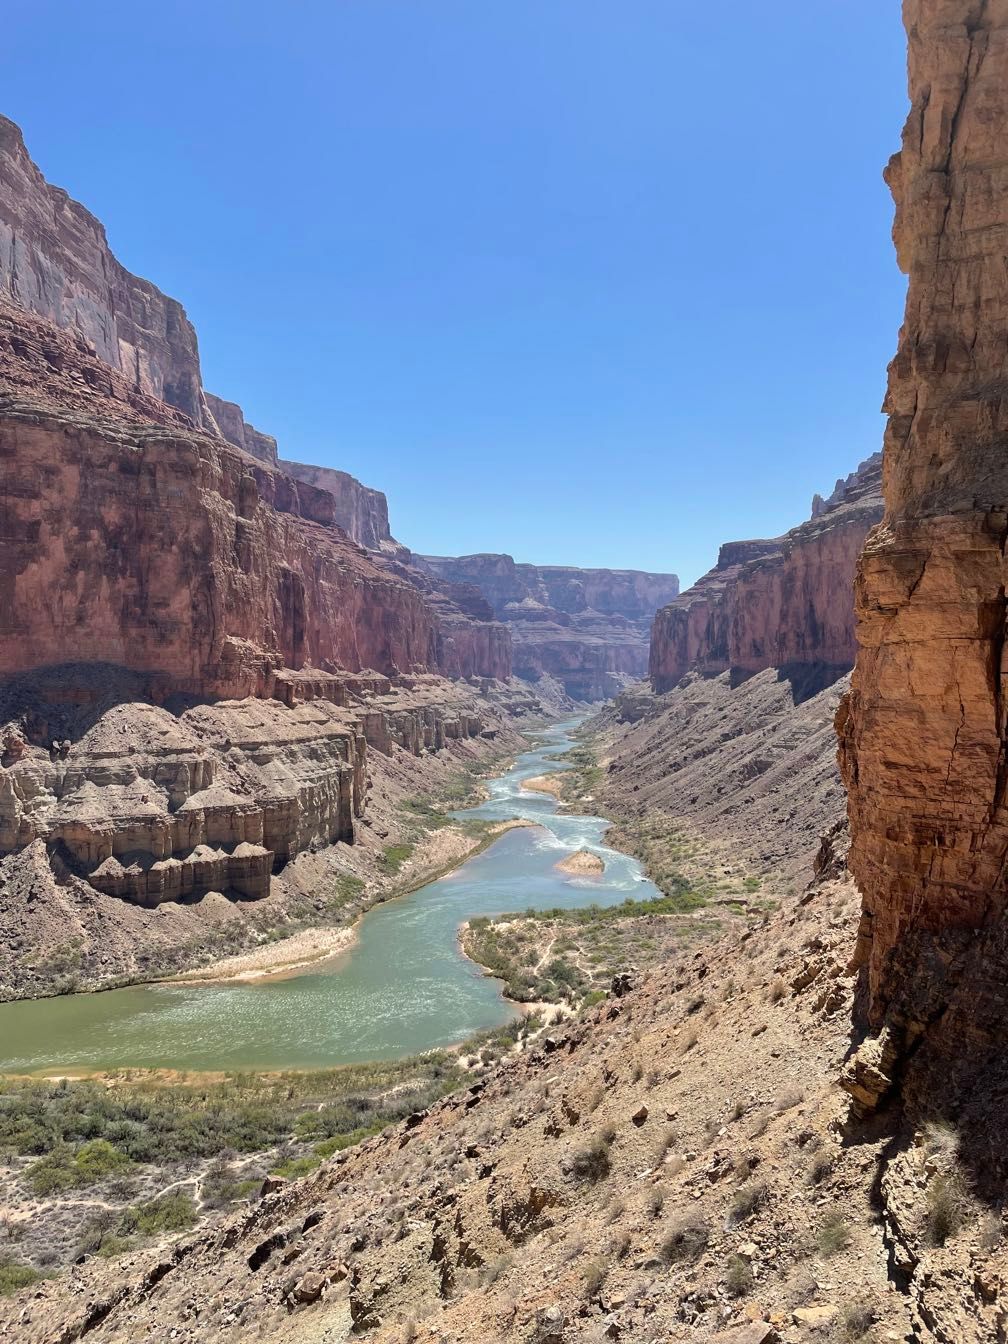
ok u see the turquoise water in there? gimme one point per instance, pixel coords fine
(403, 987)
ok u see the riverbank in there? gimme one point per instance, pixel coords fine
(439, 854)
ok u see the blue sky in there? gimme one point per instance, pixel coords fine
(600, 283)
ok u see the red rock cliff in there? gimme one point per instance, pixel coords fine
(128, 538)
(922, 735)
(777, 602)
(361, 512)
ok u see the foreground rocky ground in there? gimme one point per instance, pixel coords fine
(676, 1163)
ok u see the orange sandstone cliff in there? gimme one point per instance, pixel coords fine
(922, 734)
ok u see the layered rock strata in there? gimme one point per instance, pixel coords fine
(774, 603)
(922, 734)
(154, 804)
(55, 261)
(588, 628)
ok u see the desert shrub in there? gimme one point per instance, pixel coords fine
(946, 1207)
(686, 1239)
(65, 1167)
(15, 1276)
(991, 1231)
(595, 1271)
(656, 1201)
(833, 1234)
(856, 1319)
(592, 1162)
(746, 1201)
(789, 1098)
(820, 1167)
(689, 1039)
(493, 1269)
(777, 991)
(738, 1276)
(162, 1216)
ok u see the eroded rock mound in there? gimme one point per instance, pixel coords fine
(583, 863)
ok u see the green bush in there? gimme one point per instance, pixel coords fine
(64, 1168)
(173, 1212)
(14, 1276)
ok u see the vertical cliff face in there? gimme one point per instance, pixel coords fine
(361, 512)
(777, 602)
(127, 537)
(922, 735)
(55, 260)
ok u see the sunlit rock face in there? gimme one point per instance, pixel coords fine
(922, 734)
(780, 602)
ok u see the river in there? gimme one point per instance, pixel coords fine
(403, 987)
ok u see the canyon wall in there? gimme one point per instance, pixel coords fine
(164, 550)
(360, 511)
(781, 602)
(588, 628)
(922, 734)
(55, 261)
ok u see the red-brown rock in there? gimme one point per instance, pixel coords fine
(774, 603)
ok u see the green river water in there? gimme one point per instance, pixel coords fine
(403, 987)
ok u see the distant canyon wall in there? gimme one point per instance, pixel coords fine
(923, 732)
(588, 628)
(778, 602)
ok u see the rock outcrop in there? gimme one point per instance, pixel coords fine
(922, 734)
(588, 628)
(775, 603)
(163, 550)
(154, 804)
(55, 260)
(361, 512)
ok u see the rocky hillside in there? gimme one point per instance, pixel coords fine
(775, 603)
(589, 628)
(923, 732)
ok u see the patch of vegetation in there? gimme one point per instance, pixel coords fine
(65, 1167)
(393, 858)
(746, 1201)
(738, 1276)
(592, 1162)
(686, 1239)
(160, 1217)
(946, 1207)
(14, 1276)
(83, 1131)
(346, 890)
(567, 955)
(833, 1234)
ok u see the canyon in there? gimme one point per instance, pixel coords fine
(588, 628)
(787, 1125)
